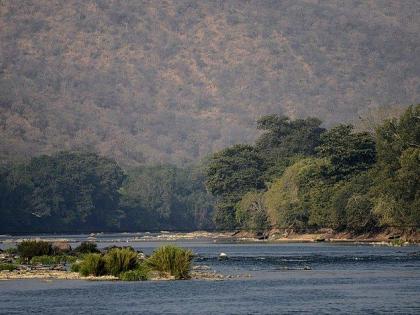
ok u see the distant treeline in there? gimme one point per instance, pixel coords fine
(300, 176)
(81, 192)
(297, 175)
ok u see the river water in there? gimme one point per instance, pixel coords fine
(273, 279)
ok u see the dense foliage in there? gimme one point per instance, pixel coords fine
(315, 178)
(68, 191)
(298, 175)
(231, 173)
(165, 197)
(32, 248)
(74, 191)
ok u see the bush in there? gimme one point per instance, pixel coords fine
(139, 274)
(11, 250)
(171, 259)
(75, 267)
(92, 264)
(119, 260)
(29, 249)
(87, 248)
(359, 214)
(7, 266)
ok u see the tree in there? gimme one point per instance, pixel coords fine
(165, 197)
(352, 201)
(251, 213)
(349, 152)
(67, 191)
(286, 200)
(230, 174)
(397, 186)
(285, 141)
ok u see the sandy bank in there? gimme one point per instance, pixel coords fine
(67, 275)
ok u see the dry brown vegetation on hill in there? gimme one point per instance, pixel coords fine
(171, 81)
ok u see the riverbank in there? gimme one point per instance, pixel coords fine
(386, 236)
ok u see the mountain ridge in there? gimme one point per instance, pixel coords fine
(170, 82)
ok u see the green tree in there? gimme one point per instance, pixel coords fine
(165, 197)
(397, 187)
(353, 199)
(230, 174)
(349, 152)
(284, 141)
(251, 213)
(67, 191)
(76, 189)
(288, 205)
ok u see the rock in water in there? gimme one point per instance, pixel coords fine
(223, 256)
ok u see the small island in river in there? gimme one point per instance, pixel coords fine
(38, 259)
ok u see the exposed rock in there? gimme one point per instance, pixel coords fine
(61, 247)
(223, 256)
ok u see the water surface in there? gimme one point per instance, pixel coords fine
(357, 279)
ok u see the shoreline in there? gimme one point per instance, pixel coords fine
(384, 237)
(69, 275)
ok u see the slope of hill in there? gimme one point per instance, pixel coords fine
(171, 81)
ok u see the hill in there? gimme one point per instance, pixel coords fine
(171, 81)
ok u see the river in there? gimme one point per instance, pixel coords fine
(268, 278)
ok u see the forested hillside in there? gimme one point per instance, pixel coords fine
(172, 81)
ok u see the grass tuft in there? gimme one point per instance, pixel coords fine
(119, 260)
(141, 273)
(173, 260)
(92, 264)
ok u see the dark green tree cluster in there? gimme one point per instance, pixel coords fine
(165, 197)
(310, 178)
(81, 192)
(69, 191)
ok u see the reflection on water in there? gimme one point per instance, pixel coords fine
(344, 279)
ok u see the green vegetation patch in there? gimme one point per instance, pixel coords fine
(86, 248)
(173, 260)
(141, 273)
(7, 266)
(93, 265)
(119, 260)
(32, 248)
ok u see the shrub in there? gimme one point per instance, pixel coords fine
(29, 249)
(75, 267)
(92, 264)
(171, 259)
(7, 266)
(87, 248)
(139, 274)
(118, 260)
(11, 250)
